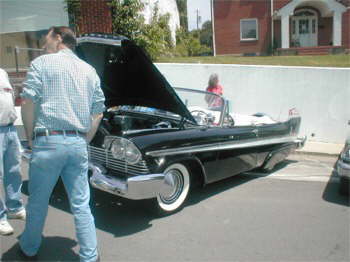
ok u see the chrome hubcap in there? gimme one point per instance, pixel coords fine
(175, 181)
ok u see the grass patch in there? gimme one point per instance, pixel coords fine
(317, 61)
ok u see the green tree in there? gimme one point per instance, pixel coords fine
(128, 21)
(156, 36)
(182, 7)
(73, 8)
(127, 18)
(188, 44)
(206, 35)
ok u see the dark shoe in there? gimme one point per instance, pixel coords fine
(25, 257)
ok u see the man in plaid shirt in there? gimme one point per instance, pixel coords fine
(63, 105)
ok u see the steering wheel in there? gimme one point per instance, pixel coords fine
(198, 113)
(200, 116)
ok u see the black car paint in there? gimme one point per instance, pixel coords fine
(132, 79)
(231, 162)
(128, 77)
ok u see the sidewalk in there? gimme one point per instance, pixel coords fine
(321, 148)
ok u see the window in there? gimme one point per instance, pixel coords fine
(249, 29)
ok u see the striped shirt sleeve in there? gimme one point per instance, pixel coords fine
(32, 87)
(98, 98)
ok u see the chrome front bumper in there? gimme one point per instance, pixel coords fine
(136, 187)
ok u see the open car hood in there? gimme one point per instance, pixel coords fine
(128, 76)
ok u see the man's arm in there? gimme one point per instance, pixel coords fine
(27, 112)
(96, 119)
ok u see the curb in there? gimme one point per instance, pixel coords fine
(297, 152)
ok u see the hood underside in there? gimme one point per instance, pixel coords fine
(128, 76)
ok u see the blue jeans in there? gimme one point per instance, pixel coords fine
(10, 173)
(52, 157)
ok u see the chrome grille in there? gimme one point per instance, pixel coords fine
(101, 156)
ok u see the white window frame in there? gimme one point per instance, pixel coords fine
(257, 29)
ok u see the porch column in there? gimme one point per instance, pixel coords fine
(285, 31)
(337, 28)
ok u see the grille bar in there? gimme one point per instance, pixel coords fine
(106, 158)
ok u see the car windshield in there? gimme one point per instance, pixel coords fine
(205, 107)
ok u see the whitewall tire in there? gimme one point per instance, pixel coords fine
(178, 180)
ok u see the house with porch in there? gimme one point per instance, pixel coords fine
(305, 27)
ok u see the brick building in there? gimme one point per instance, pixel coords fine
(96, 15)
(311, 26)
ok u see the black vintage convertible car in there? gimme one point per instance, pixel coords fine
(156, 142)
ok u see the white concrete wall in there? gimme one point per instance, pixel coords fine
(321, 95)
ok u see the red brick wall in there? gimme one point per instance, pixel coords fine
(227, 14)
(95, 17)
(227, 26)
(325, 31)
(277, 4)
(346, 29)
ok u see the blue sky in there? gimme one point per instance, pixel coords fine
(204, 12)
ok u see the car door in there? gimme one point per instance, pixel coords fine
(235, 154)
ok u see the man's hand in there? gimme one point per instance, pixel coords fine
(96, 119)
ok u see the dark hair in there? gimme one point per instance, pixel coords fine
(67, 35)
(213, 80)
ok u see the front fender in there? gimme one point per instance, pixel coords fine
(191, 161)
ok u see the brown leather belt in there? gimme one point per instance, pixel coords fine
(60, 132)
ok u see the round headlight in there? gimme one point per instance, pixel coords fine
(132, 154)
(118, 148)
(123, 149)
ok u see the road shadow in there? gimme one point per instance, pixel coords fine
(122, 217)
(118, 216)
(218, 187)
(331, 191)
(52, 249)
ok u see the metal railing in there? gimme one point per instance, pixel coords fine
(19, 49)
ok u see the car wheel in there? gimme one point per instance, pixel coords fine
(178, 178)
(344, 186)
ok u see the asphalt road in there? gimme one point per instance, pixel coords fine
(291, 214)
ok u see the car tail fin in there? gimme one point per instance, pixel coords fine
(293, 112)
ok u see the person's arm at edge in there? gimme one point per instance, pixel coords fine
(96, 119)
(27, 112)
(97, 109)
(31, 95)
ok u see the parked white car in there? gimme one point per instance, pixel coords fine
(343, 169)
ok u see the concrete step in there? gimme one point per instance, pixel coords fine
(321, 148)
(313, 53)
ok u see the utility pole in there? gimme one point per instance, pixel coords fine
(198, 18)
(213, 25)
(272, 28)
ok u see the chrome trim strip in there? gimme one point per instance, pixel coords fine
(98, 40)
(222, 146)
(129, 132)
